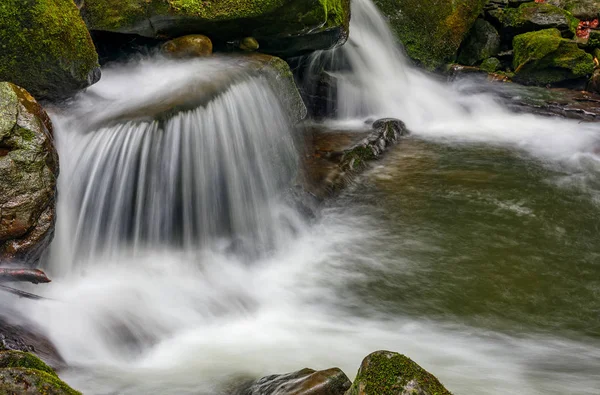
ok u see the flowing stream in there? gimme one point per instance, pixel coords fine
(179, 267)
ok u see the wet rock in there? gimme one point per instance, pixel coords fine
(283, 85)
(543, 58)
(431, 30)
(192, 46)
(46, 48)
(594, 39)
(594, 82)
(32, 381)
(482, 42)
(385, 133)
(249, 44)
(490, 65)
(303, 382)
(536, 16)
(581, 9)
(390, 373)
(28, 170)
(283, 27)
(18, 334)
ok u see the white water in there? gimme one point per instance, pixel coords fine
(382, 84)
(184, 315)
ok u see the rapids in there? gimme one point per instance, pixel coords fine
(178, 267)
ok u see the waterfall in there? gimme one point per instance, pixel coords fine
(190, 178)
(374, 79)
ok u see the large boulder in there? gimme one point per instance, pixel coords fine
(390, 373)
(283, 27)
(536, 16)
(46, 48)
(482, 42)
(431, 30)
(544, 57)
(28, 172)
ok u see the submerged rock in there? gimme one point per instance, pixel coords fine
(303, 382)
(284, 27)
(192, 46)
(544, 57)
(46, 48)
(431, 30)
(390, 373)
(28, 170)
(482, 42)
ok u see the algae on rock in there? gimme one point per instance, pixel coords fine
(431, 30)
(536, 16)
(46, 48)
(390, 373)
(544, 57)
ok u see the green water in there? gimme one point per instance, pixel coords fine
(479, 236)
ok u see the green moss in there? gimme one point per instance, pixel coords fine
(18, 359)
(45, 46)
(525, 17)
(387, 373)
(431, 30)
(490, 65)
(17, 380)
(543, 57)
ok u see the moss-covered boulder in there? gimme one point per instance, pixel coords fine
(19, 359)
(192, 46)
(46, 48)
(482, 42)
(28, 172)
(32, 381)
(431, 30)
(536, 16)
(581, 9)
(544, 57)
(390, 373)
(285, 27)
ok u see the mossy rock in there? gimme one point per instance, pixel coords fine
(537, 16)
(32, 381)
(431, 31)
(482, 42)
(285, 27)
(191, 46)
(46, 48)
(490, 65)
(544, 57)
(390, 373)
(19, 359)
(581, 9)
(594, 40)
(28, 170)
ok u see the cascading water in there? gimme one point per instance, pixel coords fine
(374, 80)
(190, 178)
(152, 293)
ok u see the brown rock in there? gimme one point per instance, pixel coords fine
(303, 382)
(192, 46)
(28, 170)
